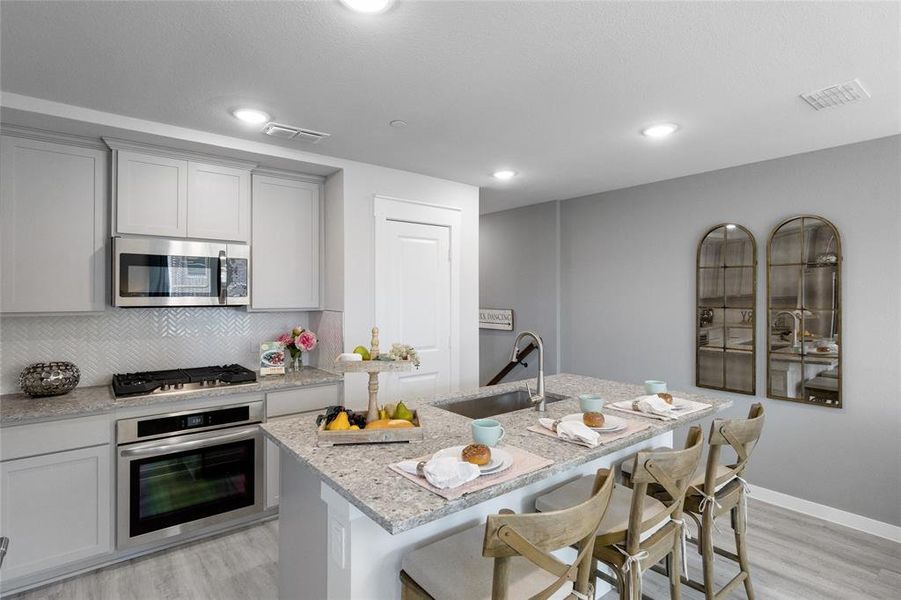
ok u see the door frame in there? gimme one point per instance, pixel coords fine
(387, 208)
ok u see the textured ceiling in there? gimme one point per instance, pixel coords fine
(557, 91)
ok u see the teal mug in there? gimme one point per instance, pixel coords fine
(590, 403)
(487, 431)
(654, 387)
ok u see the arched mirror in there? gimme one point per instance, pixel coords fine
(804, 315)
(726, 297)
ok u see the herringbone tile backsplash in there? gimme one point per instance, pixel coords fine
(143, 339)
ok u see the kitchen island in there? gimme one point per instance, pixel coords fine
(346, 520)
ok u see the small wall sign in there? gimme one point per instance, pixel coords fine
(496, 318)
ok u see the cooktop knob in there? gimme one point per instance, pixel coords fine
(179, 386)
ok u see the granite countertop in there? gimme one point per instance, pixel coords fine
(21, 409)
(360, 474)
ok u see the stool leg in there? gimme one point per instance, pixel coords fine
(707, 556)
(634, 583)
(742, 547)
(674, 565)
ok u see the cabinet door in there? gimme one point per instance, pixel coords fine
(52, 225)
(218, 202)
(55, 509)
(151, 194)
(285, 252)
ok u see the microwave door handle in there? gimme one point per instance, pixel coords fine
(169, 448)
(223, 276)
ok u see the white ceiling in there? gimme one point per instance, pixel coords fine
(556, 91)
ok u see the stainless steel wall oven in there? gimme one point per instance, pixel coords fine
(184, 471)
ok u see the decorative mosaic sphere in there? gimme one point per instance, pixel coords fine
(49, 379)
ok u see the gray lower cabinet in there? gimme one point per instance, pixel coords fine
(53, 207)
(290, 403)
(56, 509)
(285, 253)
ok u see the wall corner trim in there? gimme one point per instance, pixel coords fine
(828, 513)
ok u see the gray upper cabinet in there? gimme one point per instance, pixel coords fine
(53, 223)
(151, 194)
(174, 195)
(285, 254)
(218, 202)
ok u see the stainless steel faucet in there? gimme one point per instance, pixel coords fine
(538, 398)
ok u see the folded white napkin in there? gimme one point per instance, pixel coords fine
(652, 405)
(445, 472)
(572, 431)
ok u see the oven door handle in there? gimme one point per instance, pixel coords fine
(246, 432)
(223, 276)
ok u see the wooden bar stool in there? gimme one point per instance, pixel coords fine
(521, 547)
(639, 531)
(729, 495)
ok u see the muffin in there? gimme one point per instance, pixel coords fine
(477, 454)
(593, 419)
(668, 398)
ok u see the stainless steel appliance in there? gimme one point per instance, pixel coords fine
(175, 381)
(169, 272)
(185, 471)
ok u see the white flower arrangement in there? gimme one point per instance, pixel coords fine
(404, 352)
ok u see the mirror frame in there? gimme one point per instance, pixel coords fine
(753, 308)
(837, 403)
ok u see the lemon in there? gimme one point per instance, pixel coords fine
(362, 352)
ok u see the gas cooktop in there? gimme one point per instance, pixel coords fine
(180, 380)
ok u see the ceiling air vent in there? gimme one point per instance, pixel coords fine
(836, 95)
(288, 132)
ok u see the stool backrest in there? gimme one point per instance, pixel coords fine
(673, 471)
(742, 435)
(534, 536)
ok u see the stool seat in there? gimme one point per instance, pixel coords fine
(617, 516)
(454, 568)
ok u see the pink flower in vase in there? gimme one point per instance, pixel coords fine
(306, 341)
(285, 339)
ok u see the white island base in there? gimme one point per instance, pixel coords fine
(328, 549)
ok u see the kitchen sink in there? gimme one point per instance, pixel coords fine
(498, 404)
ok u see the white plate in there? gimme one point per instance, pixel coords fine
(611, 423)
(500, 459)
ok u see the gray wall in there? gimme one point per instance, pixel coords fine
(627, 303)
(518, 270)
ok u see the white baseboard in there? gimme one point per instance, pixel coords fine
(828, 513)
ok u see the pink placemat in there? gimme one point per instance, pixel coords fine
(523, 462)
(632, 426)
(626, 407)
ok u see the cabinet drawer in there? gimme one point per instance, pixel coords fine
(54, 436)
(301, 400)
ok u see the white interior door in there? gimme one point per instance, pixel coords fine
(413, 305)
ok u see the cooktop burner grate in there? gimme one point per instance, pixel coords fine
(180, 380)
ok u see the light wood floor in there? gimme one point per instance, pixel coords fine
(793, 556)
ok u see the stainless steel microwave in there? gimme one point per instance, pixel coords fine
(170, 272)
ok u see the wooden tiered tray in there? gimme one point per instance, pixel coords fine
(374, 436)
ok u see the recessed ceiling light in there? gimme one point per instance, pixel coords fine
(730, 226)
(369, 7)
(397, 123)
(251, 115)
(661, 130)
(504, 174)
